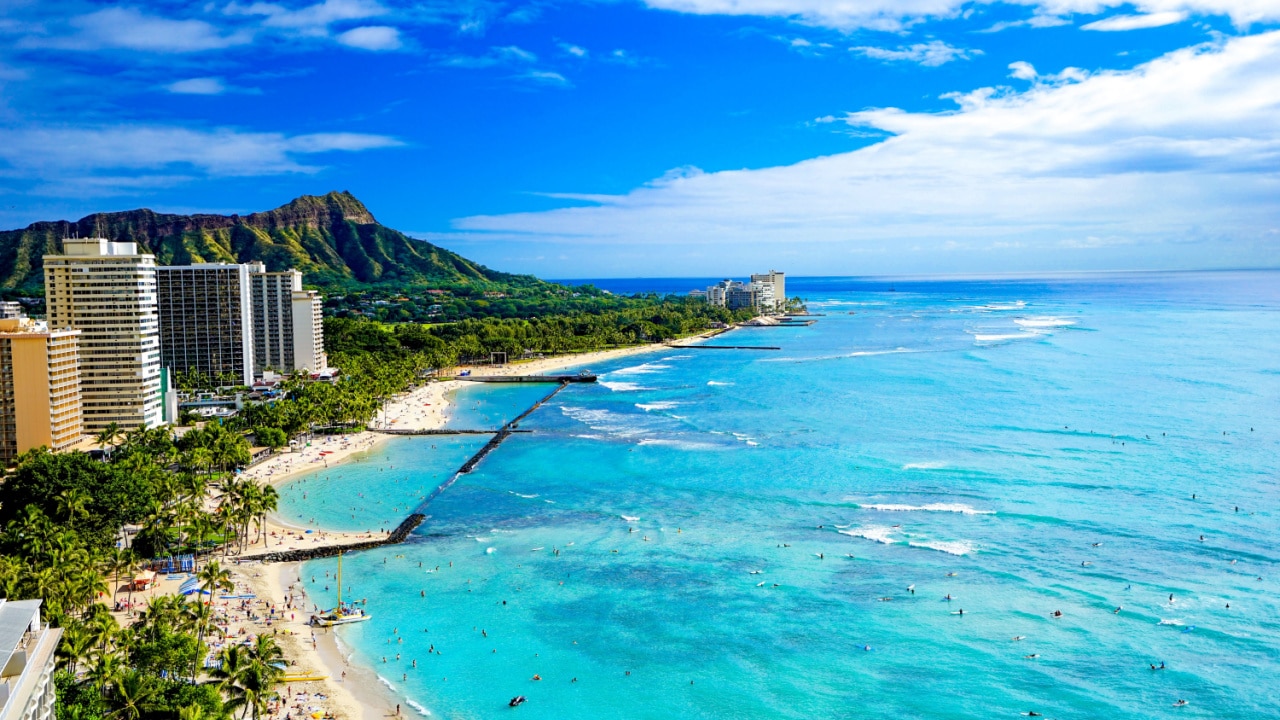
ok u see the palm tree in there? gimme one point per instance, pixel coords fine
(213, 577)
(72, 503)
(108, 436)
(268, 502)
(77, 642)
(133, 691)
(233, 665)
(106, 672)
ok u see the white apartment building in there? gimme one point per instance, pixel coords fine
(27, 661)
(288, 327)
(206, 319)
(308, 331)
(777, 283)
(107, 291)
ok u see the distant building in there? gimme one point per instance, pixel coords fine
(27, 661)
(766, 293)
(206, 319)
(11, 309)
(107, 291)
(39, 388)
(288, 324)
(778, 288)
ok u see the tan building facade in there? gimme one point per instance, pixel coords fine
(107, 291)
(39, 388)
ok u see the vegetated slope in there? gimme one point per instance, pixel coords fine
(333, 239)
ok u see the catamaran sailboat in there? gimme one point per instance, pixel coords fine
(341, 614)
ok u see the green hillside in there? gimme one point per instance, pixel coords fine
(333, 239)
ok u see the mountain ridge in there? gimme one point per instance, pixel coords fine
(333, 239)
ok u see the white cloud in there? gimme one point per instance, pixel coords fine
(315, 18)
(1117, 23)
(574, 50)
(509, 55)
(897, 14)
(1022, 70)
(930, 54)
(1184, 149)
(372, 37)
(64, 153)
(198, 86)
(546, 77)
(130, 29)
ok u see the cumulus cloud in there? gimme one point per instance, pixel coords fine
(930, 54)
(63, 154)
(1117, 23)
(372, 37)
(1185, 148)
(897, 14)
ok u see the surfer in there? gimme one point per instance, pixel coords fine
(1019, 637)
(1057, 613)
(1118, 609)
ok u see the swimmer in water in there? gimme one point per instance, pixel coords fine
(1057, 613)
(1118, 609)
(1019, 637)
(1032, 656)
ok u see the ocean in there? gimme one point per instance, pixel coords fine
(793, 533)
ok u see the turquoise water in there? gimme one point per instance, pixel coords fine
(1024, 447)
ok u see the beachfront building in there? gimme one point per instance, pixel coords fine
(777, 288)
(107, 291)
(206, 319)
(26, 662)
(766, 293)
(39, 388)
(288, 327)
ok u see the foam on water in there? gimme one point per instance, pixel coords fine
(927, 465)
(663, 405)
(953, 547)
(932, 507)
(717, 383)
(1045, 322)
(644, 369)
(622, 386)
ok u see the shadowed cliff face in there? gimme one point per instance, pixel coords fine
(331, 239)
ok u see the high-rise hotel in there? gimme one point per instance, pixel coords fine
(39, 388)
(206, 319)
(107, 291)
(288, 327)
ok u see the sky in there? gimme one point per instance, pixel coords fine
(672, 138)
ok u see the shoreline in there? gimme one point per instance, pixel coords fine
(362, 694)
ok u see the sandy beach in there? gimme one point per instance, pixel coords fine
(350, 691)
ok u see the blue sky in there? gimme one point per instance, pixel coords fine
(673, 137)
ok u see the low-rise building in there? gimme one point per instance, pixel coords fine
(27, 662)
(39, 388)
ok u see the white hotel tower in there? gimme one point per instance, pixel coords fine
(107, 291)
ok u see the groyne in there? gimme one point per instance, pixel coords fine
(416, 518)
(726, 347)
(437, 431)
(579, 378)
